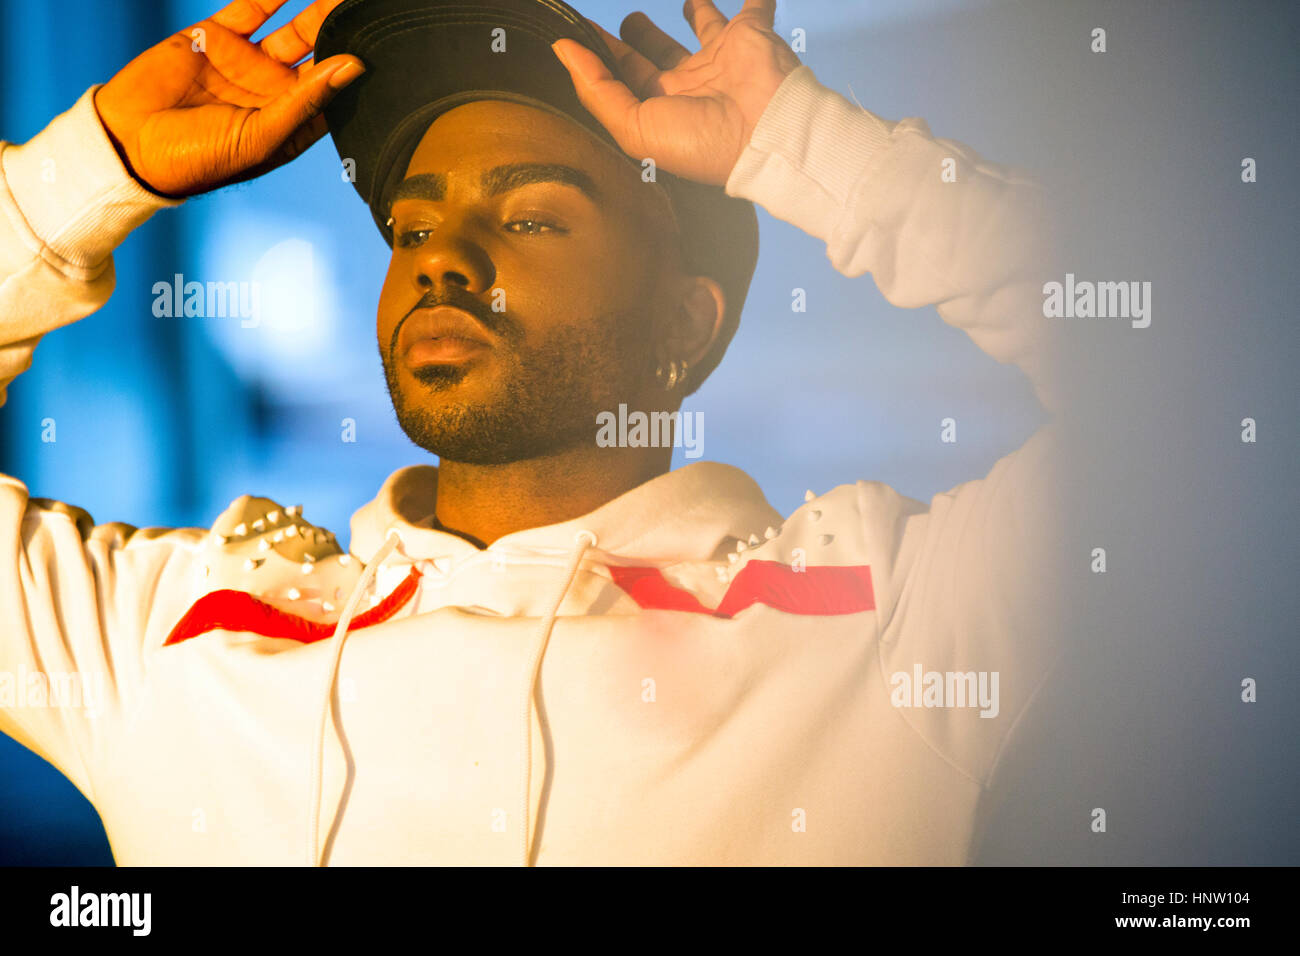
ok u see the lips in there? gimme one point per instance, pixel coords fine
(443, 334)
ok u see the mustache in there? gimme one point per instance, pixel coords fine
(496, 322)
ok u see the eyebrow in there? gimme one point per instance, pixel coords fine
(498, 180)
(505, 178)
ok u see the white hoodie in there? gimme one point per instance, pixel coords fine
(682, 676)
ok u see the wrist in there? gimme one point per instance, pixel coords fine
(111, 133)
(73, 191)
(110, 127)
(773, 79)
(807, 151)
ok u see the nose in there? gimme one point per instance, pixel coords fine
(450, 256)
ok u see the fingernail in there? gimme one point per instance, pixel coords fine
(559, 52)
(345, 74)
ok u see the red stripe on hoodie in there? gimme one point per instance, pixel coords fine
(817, 590)
(230, 610)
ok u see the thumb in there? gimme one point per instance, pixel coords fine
(301, 103)
(602, 94)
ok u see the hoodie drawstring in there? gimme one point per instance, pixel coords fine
(582, 541)
(340, 635)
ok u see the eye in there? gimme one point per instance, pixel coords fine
(532, 227)
(410, 238)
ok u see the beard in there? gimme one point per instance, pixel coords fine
(546, 398)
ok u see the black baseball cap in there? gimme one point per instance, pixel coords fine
(425, 57)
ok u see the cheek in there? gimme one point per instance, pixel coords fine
(578, 283)
(632, 270)
(391, 297)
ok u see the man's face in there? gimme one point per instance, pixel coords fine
(530, 280)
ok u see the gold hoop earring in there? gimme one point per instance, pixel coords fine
(674, 375)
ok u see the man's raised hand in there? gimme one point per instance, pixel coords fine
(208, 107)
(693, 114)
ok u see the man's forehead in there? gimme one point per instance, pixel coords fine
(496, 180)
(510, 114)
(476, 138)
(497, 145)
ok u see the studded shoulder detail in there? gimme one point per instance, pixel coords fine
(269, 550)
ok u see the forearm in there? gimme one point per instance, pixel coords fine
(66, 202)
(932, 222)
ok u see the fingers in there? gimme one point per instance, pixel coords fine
(297, 38)
(764, 10)
(245, 16)
(283, 118)
(641, 75)
(604, 96)
(704, 19)
(661, 49)
(297, 144)
(236, 74)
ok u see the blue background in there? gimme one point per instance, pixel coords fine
(163, 421)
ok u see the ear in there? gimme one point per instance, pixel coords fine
(701, 307)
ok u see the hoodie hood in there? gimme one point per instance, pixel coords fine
(693, 513)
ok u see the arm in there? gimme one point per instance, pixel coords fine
(182, 118)
(875, 192)
(967, 582)
(66, 203)
(80, 604)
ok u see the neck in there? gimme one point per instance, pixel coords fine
(482, 503)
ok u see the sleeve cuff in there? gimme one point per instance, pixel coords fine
(809, 148)
(70, 186)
